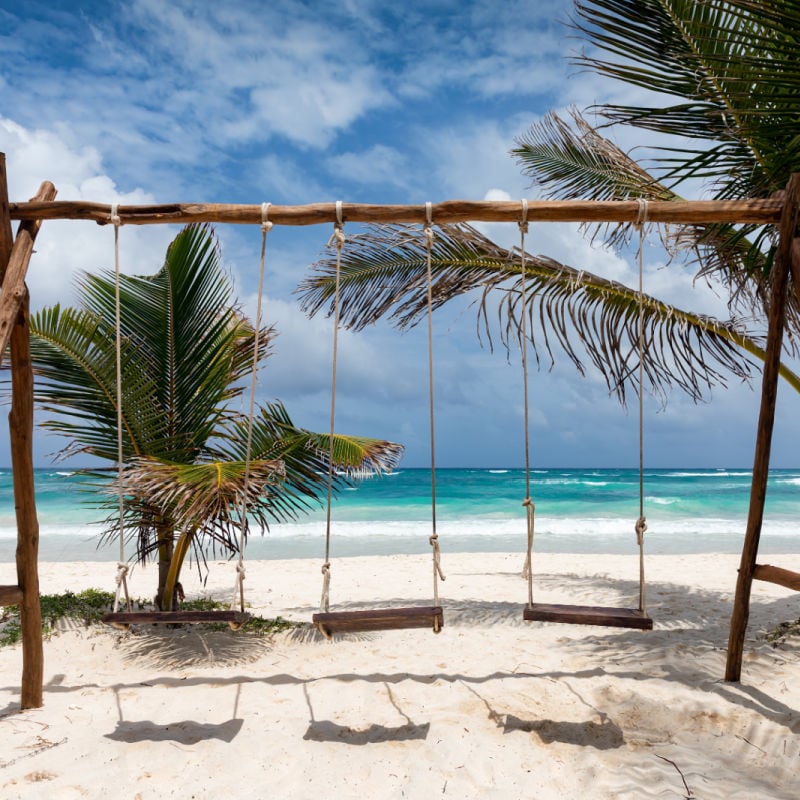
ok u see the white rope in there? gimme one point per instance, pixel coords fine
(338, 239)
(238, 589)
(641, 522)
(528, 503)
(122, 564)
(434, 537)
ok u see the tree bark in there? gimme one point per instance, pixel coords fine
(698, 212)
(14, 315)
(769, 390)
(21, 426)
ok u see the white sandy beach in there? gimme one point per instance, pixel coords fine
(491, 708)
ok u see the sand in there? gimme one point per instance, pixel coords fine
(492, 707)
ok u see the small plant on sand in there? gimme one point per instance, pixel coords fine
(87, 606)
(780, 633)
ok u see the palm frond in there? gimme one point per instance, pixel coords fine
(205, 496)
(733, 65)
(384, 274)
(74, 357)
(193, 344)
(573, 160)
(305, 458)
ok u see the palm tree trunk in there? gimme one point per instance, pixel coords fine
(169, 596)
(166, 546)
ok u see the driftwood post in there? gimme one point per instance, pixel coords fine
(14, 330)
(766, 418)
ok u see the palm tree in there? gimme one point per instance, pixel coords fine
(184, 352)
(734, 128)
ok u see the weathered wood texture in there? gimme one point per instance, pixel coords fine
(783, 577)
(20, 421)
(10, 595)
(234, 618)
(450, 211)
(6, 234)
(588, 615)
(379, 619)
(766, 418)
(15, 330)
(14, 290)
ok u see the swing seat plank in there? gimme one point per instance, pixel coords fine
(379, 619)
(11, 595)
(124, 618)
(588, 615)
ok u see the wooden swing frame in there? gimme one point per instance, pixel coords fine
(16, 251)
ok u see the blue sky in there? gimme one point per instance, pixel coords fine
(361, 100)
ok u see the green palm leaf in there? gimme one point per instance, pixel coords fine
(383, 273)
(75, 362)
(195, 346)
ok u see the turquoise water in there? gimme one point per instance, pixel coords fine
(477, 510)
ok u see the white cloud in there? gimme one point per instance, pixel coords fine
(378, 165)
(64, 248)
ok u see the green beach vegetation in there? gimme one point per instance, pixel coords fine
(185, 353)
(723, 122)
(88, 606)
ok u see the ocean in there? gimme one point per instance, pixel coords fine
(477, 510)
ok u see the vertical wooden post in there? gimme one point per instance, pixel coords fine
(766, 419)
(20, 422)
(21, 425)
(14, 300)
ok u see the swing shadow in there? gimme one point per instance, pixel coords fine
(185, 732)
(329, 731)
(603, 735)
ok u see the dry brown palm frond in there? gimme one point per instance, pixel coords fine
(203, 495)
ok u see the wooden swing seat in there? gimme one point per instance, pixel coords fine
(588, 615)
(122, 619)
(379, 619)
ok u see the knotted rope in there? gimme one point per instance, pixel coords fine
(122, 564)
(528, 503)
(641, 523)
(238, 587)
(434, 538)
(338, 239)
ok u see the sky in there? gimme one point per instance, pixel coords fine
(295, 102)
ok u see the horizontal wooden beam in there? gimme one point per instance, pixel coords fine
(761, 211)
(10, 595)
(783, 577)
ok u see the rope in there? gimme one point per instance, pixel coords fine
(122, 565)
(238, 588)
(527, 503)
(434, 538)
(338, 239)
(641, 523)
